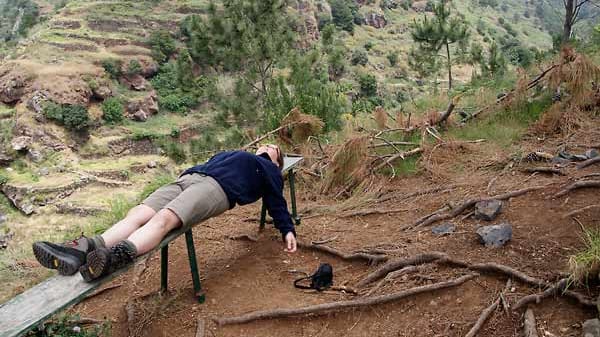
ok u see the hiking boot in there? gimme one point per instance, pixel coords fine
(65, 257)
(103, 261)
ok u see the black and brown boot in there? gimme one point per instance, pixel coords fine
(103, 261)
(65, 257)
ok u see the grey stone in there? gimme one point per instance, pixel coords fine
(35, 156)
(579, 157)
(495, 235)
(102, 92)
(2, 218)
(152, 164)
(560, 160)
(140, 116)
(443, 229)
(591, 328)
(591, 153)
(4, 238)
(44, 171)
(488, 209)
(21, 143)
(5, 159)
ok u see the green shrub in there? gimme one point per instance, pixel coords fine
(392, 58)
(174, 150)
(3, 179)
(368, 45)
(368, 85)
(112, 109)
(162, 45)
(113, 67)
(134, 68)
(66, 326)
(359, 56)
(73, 117)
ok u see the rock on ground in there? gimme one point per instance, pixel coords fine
(445, 228)
(488, 209)
(495, 235)
(591, 328)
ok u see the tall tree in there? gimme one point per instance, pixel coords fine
(573, 15)
(439, 32)
(246, 36)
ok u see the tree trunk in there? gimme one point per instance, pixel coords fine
(449, 66)
(569, 16)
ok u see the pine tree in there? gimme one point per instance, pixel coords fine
(439, 32)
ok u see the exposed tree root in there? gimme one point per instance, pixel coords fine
(581, 210)
(200, 327)
(370, 258)
(588, 162)
(437, 215)
(373, 211)
(558, 288)
(577, 185)
(327, 307)
(400, 263)
(391, 276)
(529, 326)
(550, 170)
(485, 314)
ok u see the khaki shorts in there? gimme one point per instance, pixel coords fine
(193, 198)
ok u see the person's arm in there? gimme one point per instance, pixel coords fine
(277, 208)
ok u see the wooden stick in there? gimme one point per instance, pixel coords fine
(576, 185)
(529, 325)
(374, 146)
(581, 210)
(485, 314)
(112, 286)
(370, 258)
(588, 162)
(320, 309)
(391, 276)
(402, 155)
(374, 211)
(400, 263)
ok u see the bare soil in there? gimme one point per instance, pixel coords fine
(240, 276)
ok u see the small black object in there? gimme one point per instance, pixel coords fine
(320, 280)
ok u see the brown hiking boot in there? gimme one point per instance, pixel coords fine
(65, 257)
(103, 261)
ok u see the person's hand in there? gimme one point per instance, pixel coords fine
(290, 242)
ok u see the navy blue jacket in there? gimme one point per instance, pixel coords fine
(245, 178)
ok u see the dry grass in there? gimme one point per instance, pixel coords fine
(348, 167)
(575, 73)
(303, 126)
(381, 117)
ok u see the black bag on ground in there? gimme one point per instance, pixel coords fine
(320, 280)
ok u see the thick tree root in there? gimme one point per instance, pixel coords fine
(588, 162)
(370, 258)
(529, 326)
(486, 313)
(577, 185)
(320, 309)
(399, 264)
(559, 287)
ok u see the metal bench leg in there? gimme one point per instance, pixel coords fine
(291, 178)
(164, 269)
(263, 216)
(189, 239)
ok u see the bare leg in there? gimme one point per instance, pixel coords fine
(135, 218)
(149, 236)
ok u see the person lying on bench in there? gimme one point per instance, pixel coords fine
(200, 192)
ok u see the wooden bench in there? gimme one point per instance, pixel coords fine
(35, 305)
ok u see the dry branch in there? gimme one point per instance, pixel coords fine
(101, 291)
(581, 210)
(370, 258)
(485, 314)
(391, 276)
(577, 185)
(588, 162)
(272, 132)
(529, 326)
(327, 307)
(400, 263)
(200, 328)
(374, 211)
(402, 155)
(559, 287)
(374, 146)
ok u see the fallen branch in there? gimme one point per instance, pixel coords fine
(320, 309)
(529, 326)
(577, 185)
(101, 291)
(400, 263)
(581, 210)
(485, 314)
(549, 170)
(261, 138)
(378, 145)
(200, 327)
(402, 155)
(588, 162)
(370, 258)
(559, 287)
(320, 242)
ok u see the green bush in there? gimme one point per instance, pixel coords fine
(369, 45)
(73, 117)
(65, 326)
(368, 85)
(3, 179)
(162, 45)
(112, 109)
(359, 56)
(113, 67)
(174, 151)
(392, 58)
(134, 68)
